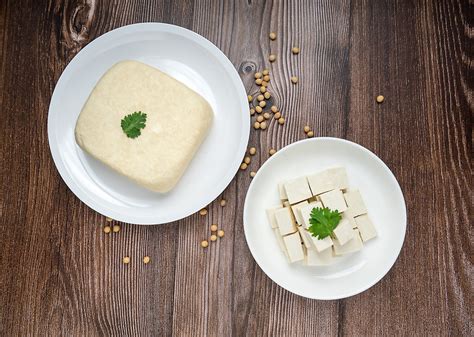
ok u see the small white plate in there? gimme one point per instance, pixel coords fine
(191, 59)
(354, 273)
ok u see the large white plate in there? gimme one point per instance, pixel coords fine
(354, 273)
(191, 59)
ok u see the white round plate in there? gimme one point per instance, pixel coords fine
(191, 59)
(351, 274)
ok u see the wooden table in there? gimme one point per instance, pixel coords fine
(61, 275)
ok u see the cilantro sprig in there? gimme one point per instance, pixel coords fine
(133, 123)
(323, 221)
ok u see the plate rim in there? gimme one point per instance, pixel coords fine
(223, 182)
(388, 267)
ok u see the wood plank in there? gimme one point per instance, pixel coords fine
(401, 55)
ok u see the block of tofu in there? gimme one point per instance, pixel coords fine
(334, 200)
(282, 192)
(319, 183)
(321, 244)
(347, 215)
(330, 179)
(174, 128)
(306, 237)
(338, 176)
(271, 216)
(285, 221)
(350, 247)
(366, 227)
(279, 237)
(315, 258)
(297, 190)
(305, 212)
(295, 209)
(343, 232)
(294, 247)
(355, 203)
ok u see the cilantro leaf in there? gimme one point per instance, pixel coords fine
(323, 221)
(131, 124)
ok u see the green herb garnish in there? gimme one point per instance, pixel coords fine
(131, 124)
(323, 221)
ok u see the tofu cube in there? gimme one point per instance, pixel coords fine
(281, 243)
(350, 247)
(319, 183)
(330, 179)
(295, 209)
(355, 203)
(366, 227)
(306, 237)
(297, 190)
(315, 258)
(294, 247)
(282, 192)
(305, 212)
(334, 200)
(271, 216)
(323, 244)
(285, 221)
(338, 176)
(347, 215)
(344, 232)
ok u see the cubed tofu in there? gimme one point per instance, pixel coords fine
(338, 176)
(294, 247)
(295, 209)
(285, 221)
(365, 227)
(343, 232)
(305, 212)
(330, 179)
(319, 183)
(321, 244)
(297, 190)
(315, 258)
(350, 247)
(349, 217)
(355, 203)
(282, 192)
(281, 243)
(271, 216)
(306, 237)
(334, 200)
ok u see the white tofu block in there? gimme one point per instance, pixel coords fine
(315, 258)
(295, 209)
(334, 200)
(297, 190)
(281, 243)
(305, 212)
(347, 215)
(350, 247)
(330, 179)
(306, 237)
(343, 232)
(338, 176)
(323, 244)
(285, 221)
(366, 227)
(319, 183)
(271, 216)
(294, 247)
(355, 203)
(282, 192)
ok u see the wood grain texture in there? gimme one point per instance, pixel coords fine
(61, 275)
